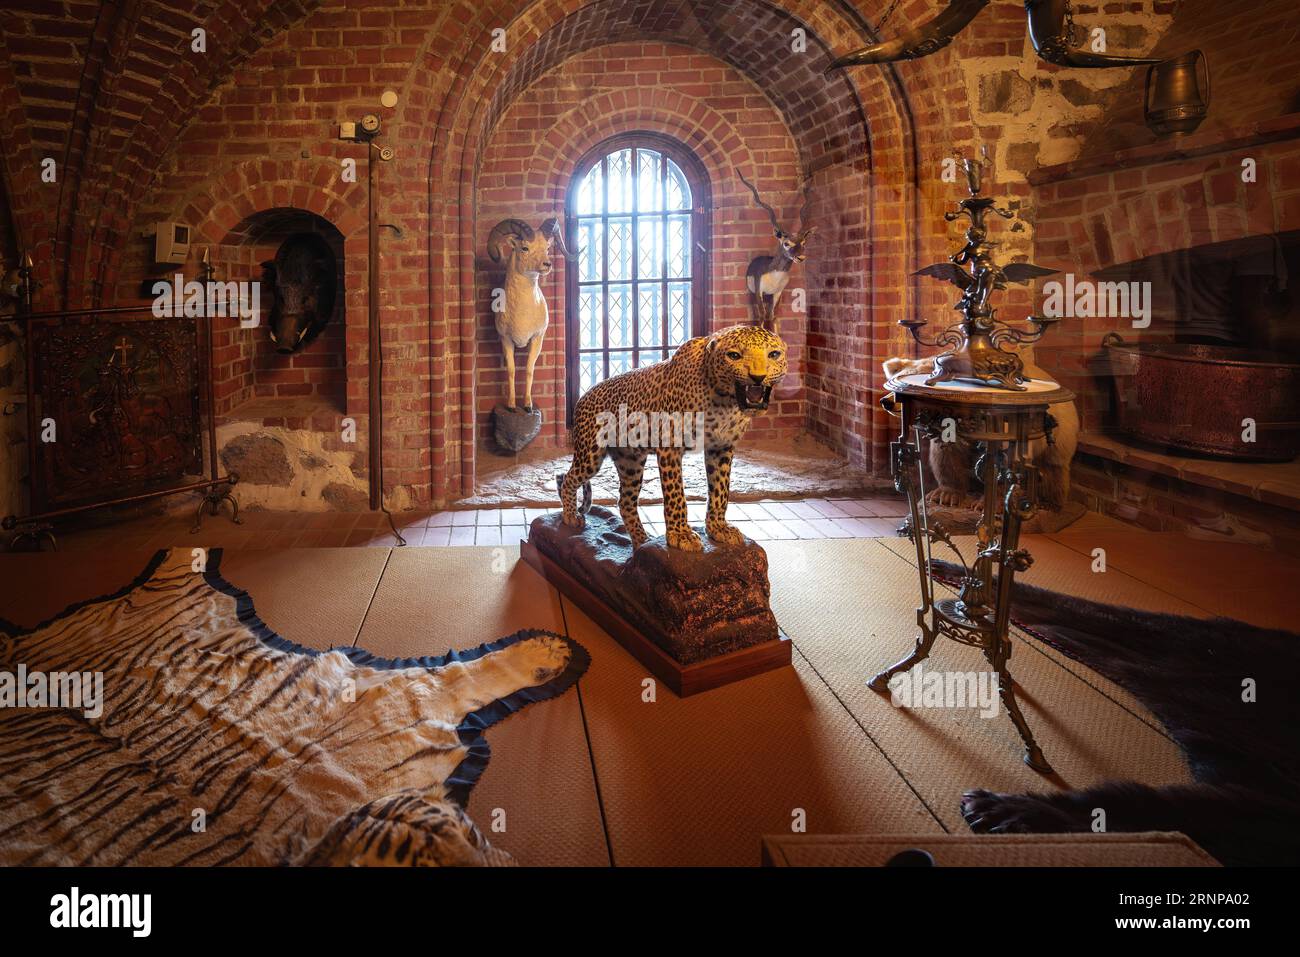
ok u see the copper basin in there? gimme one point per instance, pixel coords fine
(1197, 398)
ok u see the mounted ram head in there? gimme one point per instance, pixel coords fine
(521, 314)
(519, 245)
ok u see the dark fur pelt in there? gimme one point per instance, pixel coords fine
(1245, 757)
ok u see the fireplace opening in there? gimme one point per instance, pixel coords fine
(1241, 293)
(1217, 372)
(293, 364)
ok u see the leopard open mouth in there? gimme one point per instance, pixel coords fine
(753, 396)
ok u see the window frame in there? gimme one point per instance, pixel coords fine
(697, 179)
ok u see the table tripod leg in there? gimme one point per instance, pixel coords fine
(924, 642)
(1007, 692)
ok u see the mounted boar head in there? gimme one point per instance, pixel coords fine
(524, 250)
(304, 279)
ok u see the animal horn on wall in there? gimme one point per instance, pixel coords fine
(507, 227)
(922, 41)
(1048, 33)
(807, 203)
(552, 229)
(771, 213)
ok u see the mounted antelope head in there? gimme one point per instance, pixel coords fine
(523, 317)
(767, 276)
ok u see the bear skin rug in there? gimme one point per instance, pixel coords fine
(218, 742)
(1244, 807)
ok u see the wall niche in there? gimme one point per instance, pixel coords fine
(281, 420)
(255, 378)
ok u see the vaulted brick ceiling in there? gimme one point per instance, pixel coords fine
(103, 88)
(823, 114)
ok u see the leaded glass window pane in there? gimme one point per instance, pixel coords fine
(632, 217)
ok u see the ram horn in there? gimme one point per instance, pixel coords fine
(1047, 33)
(507, 227)
(922, 41)
(552, 229)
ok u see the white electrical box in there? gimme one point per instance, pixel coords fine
(171, 243)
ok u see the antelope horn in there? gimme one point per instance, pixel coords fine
(807, 203)
(771, 213)
(507, 227)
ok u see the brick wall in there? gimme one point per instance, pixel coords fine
(1163, 503)
(246, 363)
(151, 130)
(1125, 194)
(1090, 222)
(680, 93)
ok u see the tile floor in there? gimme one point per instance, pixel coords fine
(874, 517)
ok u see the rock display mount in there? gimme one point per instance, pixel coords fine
(696, 619)
(515, 429)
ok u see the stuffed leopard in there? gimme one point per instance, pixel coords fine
(719, 383)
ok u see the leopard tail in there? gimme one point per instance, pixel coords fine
(585, 505)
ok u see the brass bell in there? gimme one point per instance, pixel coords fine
(1174, 100)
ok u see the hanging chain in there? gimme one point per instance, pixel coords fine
(888, 13)
(1071, 36)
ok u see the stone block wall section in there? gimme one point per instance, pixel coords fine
(152, 130)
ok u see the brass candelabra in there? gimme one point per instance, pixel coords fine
(977, 341)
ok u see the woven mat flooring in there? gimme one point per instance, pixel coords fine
(539, 782)
(1089, 729)
(605, 775)
(698, 780)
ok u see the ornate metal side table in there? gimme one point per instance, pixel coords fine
(1000, 424)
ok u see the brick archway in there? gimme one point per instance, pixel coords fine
(549, 31)
(227, 198)
(223, 209)
(695, 124)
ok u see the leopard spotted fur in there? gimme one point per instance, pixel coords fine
(726, 377)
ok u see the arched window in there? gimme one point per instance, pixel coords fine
(638, 217)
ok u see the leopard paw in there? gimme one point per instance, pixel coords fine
(637, 533)
(573, 518)
(684, 539)
(725, 534)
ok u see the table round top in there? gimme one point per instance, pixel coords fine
(957, 391)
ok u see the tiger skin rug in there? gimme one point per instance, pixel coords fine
(218, 742)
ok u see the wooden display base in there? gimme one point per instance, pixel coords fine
(684, 680)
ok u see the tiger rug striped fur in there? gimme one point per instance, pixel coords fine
(219, 742)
